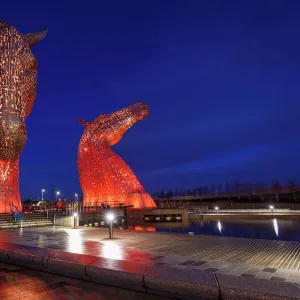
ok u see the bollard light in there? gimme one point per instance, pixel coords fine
(75, 215)
(110, 217)
(271, 207)
(217, 209)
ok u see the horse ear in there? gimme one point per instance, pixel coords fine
(33, 37)
(82, 122)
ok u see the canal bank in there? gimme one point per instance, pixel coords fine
(173, 265)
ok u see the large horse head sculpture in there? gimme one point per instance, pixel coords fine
(17, 94)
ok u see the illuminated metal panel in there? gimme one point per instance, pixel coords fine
(17, 95)
(104, 176)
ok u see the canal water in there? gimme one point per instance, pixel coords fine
(273, 229)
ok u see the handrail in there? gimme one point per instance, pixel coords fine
(14, 211)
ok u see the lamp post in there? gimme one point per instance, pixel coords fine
(271, 207)
(75, 215)
(217, 209)
(76, 197)
(110, 217)
(57, 194)
(43, 191)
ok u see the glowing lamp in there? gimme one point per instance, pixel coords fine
(110, 217)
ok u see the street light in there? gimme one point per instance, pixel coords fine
(43, 191)
(217, 209)
(75, 215)
(57, 194)
(271, 207)
(110, 217)
(76, 197)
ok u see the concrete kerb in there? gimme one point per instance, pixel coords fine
(3, 255)
(25, 260)
(122, 279)
(64, 268)
(181, 284)
(237, 287)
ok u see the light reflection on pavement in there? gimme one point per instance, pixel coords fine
(18, 283)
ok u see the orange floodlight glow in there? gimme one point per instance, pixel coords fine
(105, 178)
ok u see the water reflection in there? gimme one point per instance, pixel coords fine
(112, 250)
(275, 226)
(142, 228)
(286, 229)
(220, 226)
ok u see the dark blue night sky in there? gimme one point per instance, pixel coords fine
(221, 78)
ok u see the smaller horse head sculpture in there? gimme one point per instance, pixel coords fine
(104, 176)
(17, 87)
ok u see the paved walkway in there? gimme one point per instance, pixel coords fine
(265, 259)
(17, 283)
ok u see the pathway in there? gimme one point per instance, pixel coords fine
(266, 259)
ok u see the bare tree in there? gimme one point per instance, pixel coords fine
(292, 186)
(220, 188)
(246, 188)
(194, 191)
(260, 188)
(176, 192)
(227, 187)
(237, 189)
(200, 191)
(276, 186)
(213, 188)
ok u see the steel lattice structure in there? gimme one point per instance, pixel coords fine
(104, 176)
(17, 95)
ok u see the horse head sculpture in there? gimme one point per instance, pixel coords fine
(17, 94)
(105, 178)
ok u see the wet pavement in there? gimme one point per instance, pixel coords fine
(18, 283)
(263, 259)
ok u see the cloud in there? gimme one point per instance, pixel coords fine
(219, 161)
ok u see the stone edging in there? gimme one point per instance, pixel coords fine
(169, 282)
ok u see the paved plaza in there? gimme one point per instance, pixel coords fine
(256, 258)
(18, 283)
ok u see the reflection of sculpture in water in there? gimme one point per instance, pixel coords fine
(104, 176)
(17, 94)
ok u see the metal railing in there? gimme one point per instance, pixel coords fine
(14, 211)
